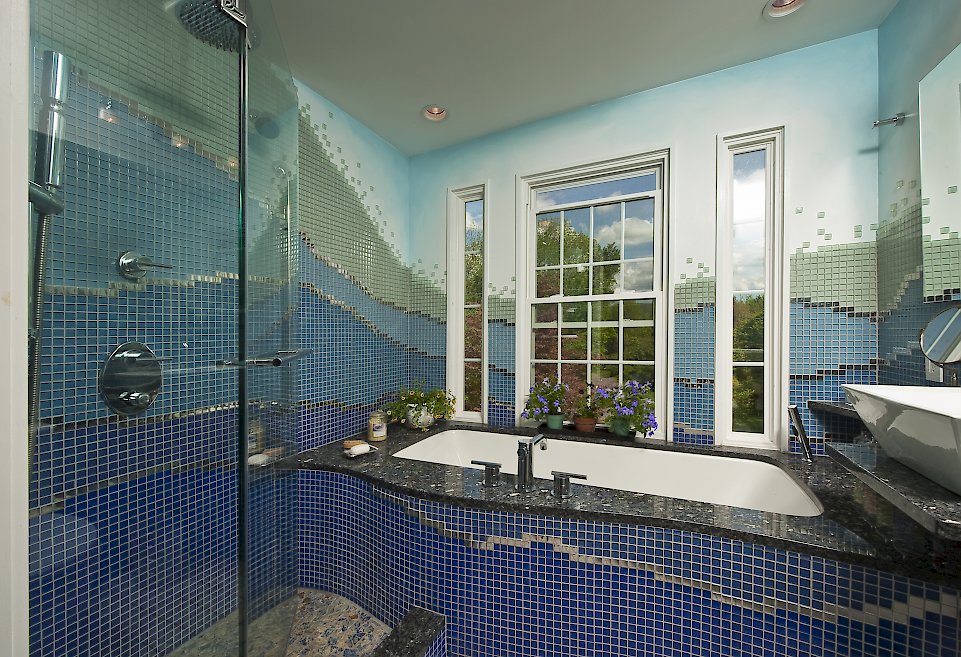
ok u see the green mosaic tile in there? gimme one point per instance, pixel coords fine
(942, 266)
(839, 273)
(692, 293)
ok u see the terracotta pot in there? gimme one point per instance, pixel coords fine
(585, 424)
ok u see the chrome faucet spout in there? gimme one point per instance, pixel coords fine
(525, 461)
(802, 436)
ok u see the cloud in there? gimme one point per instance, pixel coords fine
(748, 240)
(749, 197)
(636, 231)
(639, 276)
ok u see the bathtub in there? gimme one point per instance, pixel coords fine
(723, 480)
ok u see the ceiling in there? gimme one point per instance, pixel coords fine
(496, 64)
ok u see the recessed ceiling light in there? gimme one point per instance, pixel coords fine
(779, 8)
(434, 113)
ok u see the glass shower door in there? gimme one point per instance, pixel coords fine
(161, 520)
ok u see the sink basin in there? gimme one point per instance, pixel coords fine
(917, 425)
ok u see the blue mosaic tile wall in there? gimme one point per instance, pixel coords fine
(833, 338)
(374, 323)
(501, 378)
(694, 328)
(513, 584)
(905, 311)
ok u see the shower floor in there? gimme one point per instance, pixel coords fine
(324, 625)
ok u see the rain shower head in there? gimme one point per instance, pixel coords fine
(215, 22)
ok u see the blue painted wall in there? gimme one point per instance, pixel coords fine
(830, 200)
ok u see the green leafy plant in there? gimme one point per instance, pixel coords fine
(634, 403)
(591, 402)
(437, 401)
(546, 398)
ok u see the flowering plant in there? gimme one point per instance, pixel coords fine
(436, 402)
(546, 398)
(592, 402)
(634, 402)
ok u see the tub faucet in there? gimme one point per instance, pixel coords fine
(525, 460)
(802, 436)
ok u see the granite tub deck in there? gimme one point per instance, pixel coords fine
(935, 508)
(858, 525)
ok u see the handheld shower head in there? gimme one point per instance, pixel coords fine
(50, 146)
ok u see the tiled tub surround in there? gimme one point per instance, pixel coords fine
(610, 575)
(857, 525)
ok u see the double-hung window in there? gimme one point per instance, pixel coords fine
(595, 271)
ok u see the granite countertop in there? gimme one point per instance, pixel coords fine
(858, 525)
(413, 636)
(935, 508)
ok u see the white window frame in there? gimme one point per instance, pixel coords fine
(527, 188)
(457, 198)
(775, 310)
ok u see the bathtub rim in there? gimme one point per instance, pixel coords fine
(745, 454)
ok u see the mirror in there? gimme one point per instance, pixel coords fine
(940, 97)
(941, 338)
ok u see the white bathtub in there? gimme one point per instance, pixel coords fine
(702, 478)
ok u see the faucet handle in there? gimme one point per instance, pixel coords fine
(562, 483)
(492, 473)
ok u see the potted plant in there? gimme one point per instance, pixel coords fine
(418, 408)
(632, 410)
(588, 406)
(546, 402)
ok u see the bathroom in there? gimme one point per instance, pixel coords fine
(246, 232)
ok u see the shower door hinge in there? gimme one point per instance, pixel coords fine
(234, 10)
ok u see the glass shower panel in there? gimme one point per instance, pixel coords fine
(134, 493)
(271, 329)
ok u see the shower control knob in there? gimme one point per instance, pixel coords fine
(133, 266)
(135, 401)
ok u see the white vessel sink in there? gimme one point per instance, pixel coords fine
(917, 425)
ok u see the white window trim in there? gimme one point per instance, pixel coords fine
(15, 68)
(526, 188)
(456, 234)
(776, 366)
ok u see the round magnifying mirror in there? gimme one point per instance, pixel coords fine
(941, 338)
